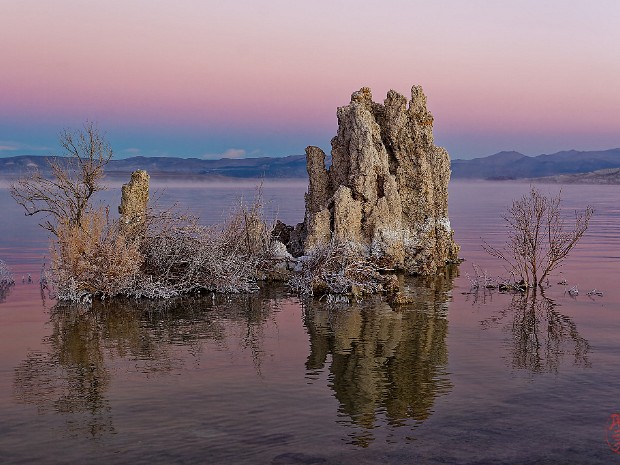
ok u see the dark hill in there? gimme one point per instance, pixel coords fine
(285, 167)
(514, 165)
(502, 165)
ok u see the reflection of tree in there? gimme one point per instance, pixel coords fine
(540, 336)
(71, 377)
(384, 362)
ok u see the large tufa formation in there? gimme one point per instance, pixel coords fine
(134, 200)
(387, 188)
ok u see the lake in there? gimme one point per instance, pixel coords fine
(456, 377)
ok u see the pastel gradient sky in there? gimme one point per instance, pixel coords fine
(206, 78)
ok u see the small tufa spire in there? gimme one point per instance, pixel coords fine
(134, 200)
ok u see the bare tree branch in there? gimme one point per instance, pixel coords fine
(66, 196)
(538, 239)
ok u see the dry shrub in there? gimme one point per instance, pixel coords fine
(247, 227)
(340, 268)
(181, 257)
(93, 258)
(164, 256)
(539, 240)
(6, 280)
(170, 255)
(65, 196)
(6, 277)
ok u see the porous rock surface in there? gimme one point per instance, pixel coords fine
(387, 187)
(134, 199)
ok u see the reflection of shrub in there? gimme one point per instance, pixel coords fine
(540, 337)
(340, 268)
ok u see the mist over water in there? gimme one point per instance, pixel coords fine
(455, 377)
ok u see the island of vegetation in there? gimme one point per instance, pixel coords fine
(378, 212)
(379, 209)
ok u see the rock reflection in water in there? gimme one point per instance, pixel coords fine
(539, 335)
(71, 377)
(387, 365)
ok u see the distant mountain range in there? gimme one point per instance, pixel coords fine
(515, 165)
(561, 166)
(283, 167)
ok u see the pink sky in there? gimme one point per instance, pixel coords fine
(196, 78)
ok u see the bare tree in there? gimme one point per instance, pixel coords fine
(538, 237)
(65, 196)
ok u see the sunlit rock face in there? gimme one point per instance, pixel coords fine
(134, 200)
(387, 187)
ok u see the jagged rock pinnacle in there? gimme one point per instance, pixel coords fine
(387, 187)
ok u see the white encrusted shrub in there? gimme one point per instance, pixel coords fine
(6, 280)
(340, 268)
(168, 255)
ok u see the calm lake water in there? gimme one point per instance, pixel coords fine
(267, 379)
